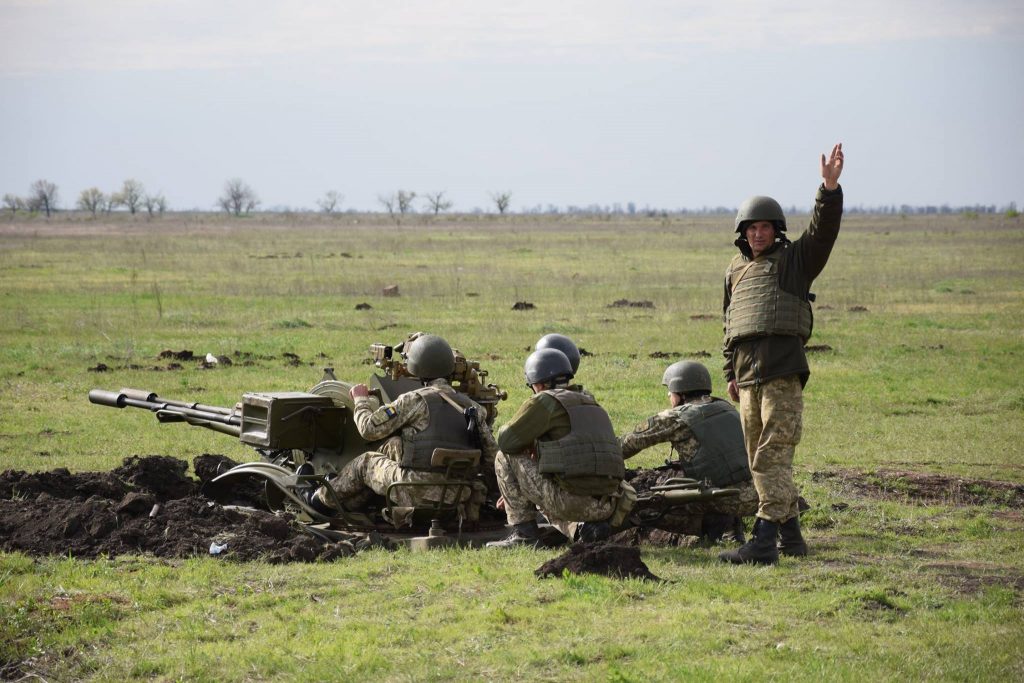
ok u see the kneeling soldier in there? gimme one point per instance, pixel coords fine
(707, 440)
(559, 454)
(418, 422)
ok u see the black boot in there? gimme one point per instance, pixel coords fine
(713, 526)
(738, 532)
(593, 532)
(791, 541)
(523, 534)
(758, 550)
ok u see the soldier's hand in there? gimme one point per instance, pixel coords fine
(832, 167)
(734, 391)
(501, 503)
(359, 391)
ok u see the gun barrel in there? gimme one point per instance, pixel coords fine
(132, 399)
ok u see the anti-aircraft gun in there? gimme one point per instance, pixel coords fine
(292, 428)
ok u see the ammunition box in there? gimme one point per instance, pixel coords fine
(291, 419)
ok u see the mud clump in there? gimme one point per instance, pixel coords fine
(606, 559)
(626, 303)
(523, 306)
(149, 506)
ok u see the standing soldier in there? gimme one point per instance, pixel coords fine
(707, 440)
(418, 422)
(767, 322)
(559, 454)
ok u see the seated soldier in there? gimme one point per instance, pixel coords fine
(559, 454)
(707, 440)
(418, 422)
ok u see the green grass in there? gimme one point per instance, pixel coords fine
(926, 379)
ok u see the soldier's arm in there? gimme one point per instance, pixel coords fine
(530, 422)
(386, 420)
(812, 249)
(730, 372)
(657, 429)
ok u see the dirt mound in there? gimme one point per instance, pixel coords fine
(636, 535)
(149, 505)
(939, 488)
(607, 559)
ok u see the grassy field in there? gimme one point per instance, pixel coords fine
(922, 317)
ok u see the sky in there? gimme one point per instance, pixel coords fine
(662, 103)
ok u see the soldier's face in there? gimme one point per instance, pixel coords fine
(760, 236)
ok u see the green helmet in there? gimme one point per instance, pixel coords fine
(429, 357)
(563, 344)
(760, 209)
(546, 365)
(686, 376)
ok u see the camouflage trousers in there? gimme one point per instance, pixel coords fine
(374, 472)
(772, 416)
(525, 490)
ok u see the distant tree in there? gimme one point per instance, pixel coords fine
(43, 196)
(501, 200)
(437, 202)
(397, 204)
(91, 200)
(131, 195)
(404, 199)
(330, 201)
(13, 202)
(155, 203)
(110, 202)
(238, 198)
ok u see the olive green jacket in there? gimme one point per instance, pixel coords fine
(752, 361)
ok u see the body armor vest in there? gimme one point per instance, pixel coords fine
(759, 306)
(587, 460)
(721, 457)
(446, 428)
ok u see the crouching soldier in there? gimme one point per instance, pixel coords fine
(559, 454)
(418, 422)
(707, 441)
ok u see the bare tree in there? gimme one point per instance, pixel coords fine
(131, 195)
(329, 202)
(155, 203)
(437, 202)
(238, 198)
(43, 197)
(110, 203)
(404, 199)
(13, 202)
(91, 200)
(501, 200)
(397, 204)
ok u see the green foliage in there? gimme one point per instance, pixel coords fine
(925, 379)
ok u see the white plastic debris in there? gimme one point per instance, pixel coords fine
(216, 549)
(211, 359)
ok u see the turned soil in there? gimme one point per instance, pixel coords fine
(149, 505)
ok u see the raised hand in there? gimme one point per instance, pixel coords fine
(832, 167)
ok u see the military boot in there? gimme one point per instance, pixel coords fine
(760, 549)
(523, 534)
(714, 526)
(593, 532)
(791, 541)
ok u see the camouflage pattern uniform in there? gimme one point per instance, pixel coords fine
(771, 370)
(524, 488)
(666, 427)
(376, 470)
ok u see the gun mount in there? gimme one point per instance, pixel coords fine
(289, 429)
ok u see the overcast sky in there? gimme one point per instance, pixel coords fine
(663, 103)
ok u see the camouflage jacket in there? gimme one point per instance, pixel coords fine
(664, 427)
(409, 412)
